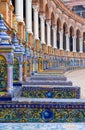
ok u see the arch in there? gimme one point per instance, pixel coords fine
(16, 69)
(71, 32)
(58, 30)
(77, 39)
(58, 24)
(84, 42)
(3, 74)
(65, 30)
(53, 19)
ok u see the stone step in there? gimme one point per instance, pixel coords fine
(48, 78)
(42, 82)
(41, 91)
(42, 110)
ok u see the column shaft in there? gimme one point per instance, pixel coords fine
(67, 42)
(42, 18)
(61, 40)
(54, 37)
(36, 22)
(81, 44)
(48, 33)
(74, 44)
(20, 72)
(29, 16)
(19, 10)
(10, 79)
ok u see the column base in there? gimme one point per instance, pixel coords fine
(49, 50)
(68, 53)
(81, 54)
(31, 39)
(61, 52)
(55, 51)
(37, 42)
(74, 54)
(44, 48)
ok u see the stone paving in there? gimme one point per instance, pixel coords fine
(42, 126)
(78, 79)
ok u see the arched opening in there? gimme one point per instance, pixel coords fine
(71, 38)
(16, 70)
(58, 34)
(64, 35)
(3, 74)
(52, 24)
(39, 27)
(77, 40)
(84, 42)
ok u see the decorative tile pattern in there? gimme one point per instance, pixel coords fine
(42, 112)
(50, 92)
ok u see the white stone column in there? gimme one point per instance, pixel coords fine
(19, 10)
(42, 19)
(54, 36)
(10, 79)
(20, 72)
(29, 16)
(81, 44)
(74, 43)
(67, 42)
(48, 33)
(61, 40)
(36, 22)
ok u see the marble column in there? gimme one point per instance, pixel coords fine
(36, 22)
(74, 43)
(20, 72)
(54, 36)
(10, 79)
(81, 44)
(67, 42)
(42, 19)
(61, 40)
(29, 16)
(48, 33)
(19, 10)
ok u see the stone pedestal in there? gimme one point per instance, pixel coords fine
(31, 39)
(37, 42)
(49, 50)
(55, 51)
(61, 52)
(44, 48)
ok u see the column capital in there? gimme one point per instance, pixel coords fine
(42, 16)
(48, 22)
(61, 31)
(67, 35)
(36, 8)
(54, 27)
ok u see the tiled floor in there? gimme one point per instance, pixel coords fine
(78, 79)
(42, 126)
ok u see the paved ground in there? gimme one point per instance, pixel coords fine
(78, 79)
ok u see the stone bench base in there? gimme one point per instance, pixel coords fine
(50, 92)
(37, 82)
(43, 111)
